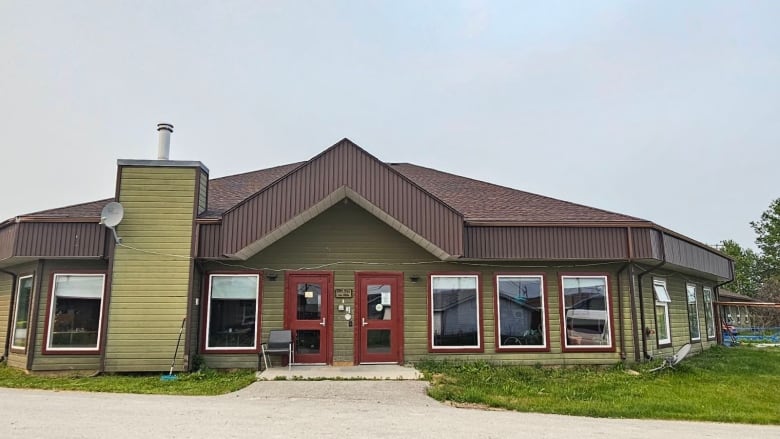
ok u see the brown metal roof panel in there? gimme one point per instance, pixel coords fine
(535, 243)
(686, 254)
(61, 240)
(647, 243)
(8, 240)
(209, 241)
(344, 164)
(226, 192)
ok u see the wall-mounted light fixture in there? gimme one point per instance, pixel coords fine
(271, 276)
(414, 278)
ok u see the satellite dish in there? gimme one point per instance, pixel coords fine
(111, 216)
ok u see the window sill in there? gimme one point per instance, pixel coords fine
(231, 350)
(458, 350)
(580, 349)
(83, 351)
(517, 349)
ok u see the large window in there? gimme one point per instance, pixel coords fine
(76, 304)
(455, 312)
(521, 312)
(693, 313)
(21, 312)
(586, 312)
(709, 315)
(231, 322)
(662, 301)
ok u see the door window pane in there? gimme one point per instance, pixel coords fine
(309, 303)
(378, 341)
(307, 341)
(378, 302)
(455, 311)
(521, 320)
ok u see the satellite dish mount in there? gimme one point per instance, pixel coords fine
(111, 216)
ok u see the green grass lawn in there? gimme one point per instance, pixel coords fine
(722, 384)
(207, 382)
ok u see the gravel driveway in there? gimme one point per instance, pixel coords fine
(313, 409)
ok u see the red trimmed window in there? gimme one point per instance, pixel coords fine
(455, 312)
(662, 321)
(708, 313)
(693, 312)
(21, 312)
(521, 312)
(586, 312)
(76, 310)
(233, 312)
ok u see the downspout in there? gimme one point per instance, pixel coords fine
(35, 300)
(621, 322)
(8, 334)
(621, 325)
(642, 299)
(632, 301)
(109, 250)
(716, 289)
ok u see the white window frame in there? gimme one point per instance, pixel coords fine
(607, 318)
(542, 299)
(695, 304)
(707, 292)
(662, 298)
(208, 315)
(16, 311)
(478, 346)
(53, 310)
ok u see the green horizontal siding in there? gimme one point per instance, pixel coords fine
(44, 362)
(150, 288)
(358, 241)
(678, 313)
(6, 314)
(17, 360)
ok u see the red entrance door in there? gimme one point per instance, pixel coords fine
(379, 318)
(309, 316)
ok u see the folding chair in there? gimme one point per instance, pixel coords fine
(279, 342)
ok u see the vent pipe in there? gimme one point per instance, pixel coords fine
(164, 144)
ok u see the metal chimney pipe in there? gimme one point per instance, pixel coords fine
(164, 143)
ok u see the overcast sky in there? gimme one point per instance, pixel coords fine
(668, 111)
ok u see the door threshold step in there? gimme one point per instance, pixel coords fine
(323, 372)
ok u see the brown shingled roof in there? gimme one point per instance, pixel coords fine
(476, 200)
(81, 210)
(226, 192)
(481, 201)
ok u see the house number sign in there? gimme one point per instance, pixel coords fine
(344, 293)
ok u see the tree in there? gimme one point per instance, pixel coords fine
(768, 240)
(748, 268)
(769, 292)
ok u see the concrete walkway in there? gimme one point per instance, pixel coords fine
(386, 409)
(361, 372)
